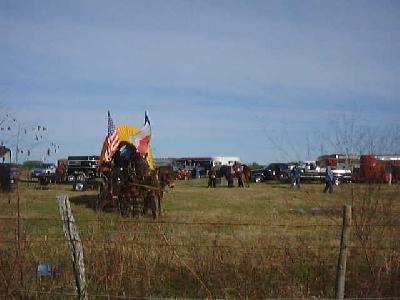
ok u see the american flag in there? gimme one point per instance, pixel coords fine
(112, 139)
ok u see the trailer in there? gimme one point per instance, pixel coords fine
(378, 169)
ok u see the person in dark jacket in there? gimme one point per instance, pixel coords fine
(212, 177)
(229, 176)
(295, 173)
(238, 173)
(329, 180)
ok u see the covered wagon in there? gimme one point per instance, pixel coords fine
(129, 181)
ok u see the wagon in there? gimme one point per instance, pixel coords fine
(128, 183)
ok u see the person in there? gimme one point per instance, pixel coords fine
(212, 177)
(197, 171)
(389, 171)
(296, 176)
(329, 180)
(240, 180)
(238, 172)
(229, 176)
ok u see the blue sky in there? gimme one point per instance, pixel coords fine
(263, 80)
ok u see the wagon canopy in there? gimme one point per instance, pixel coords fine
(127, 133)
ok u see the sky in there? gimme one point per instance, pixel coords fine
(263, 80)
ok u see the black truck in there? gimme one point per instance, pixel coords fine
(82, 171)
(81, 167)
(274, 171)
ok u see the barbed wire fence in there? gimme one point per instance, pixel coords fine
(158, 234)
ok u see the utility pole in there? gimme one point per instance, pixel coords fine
(17, 144)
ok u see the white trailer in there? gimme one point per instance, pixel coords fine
(224, 160)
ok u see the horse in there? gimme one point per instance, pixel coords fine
(243, 174)
(246, 175)
(239, 171)
(165, 177)
(130, 179)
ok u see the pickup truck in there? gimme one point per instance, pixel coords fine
(274, 171)
(281, 172)
(80, 168)
(44, 168)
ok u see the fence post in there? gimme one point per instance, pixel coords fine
(72, 236)
(342, 260)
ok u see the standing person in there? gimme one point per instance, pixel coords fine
(212, 177)
(389, 171)
(240, 180)
(238, 172)
(329, 180)
(295, 176)
(229, 176)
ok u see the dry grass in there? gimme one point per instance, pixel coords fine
(265, 241)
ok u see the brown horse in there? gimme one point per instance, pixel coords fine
(242, 173)
(246, 174)
(128, 182)
(239, 171)
(165, 177)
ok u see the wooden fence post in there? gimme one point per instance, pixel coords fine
(342, 260)
(72, 235)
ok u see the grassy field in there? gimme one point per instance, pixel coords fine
(259, 242)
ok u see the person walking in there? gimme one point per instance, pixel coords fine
(329, 180)
(295, 172)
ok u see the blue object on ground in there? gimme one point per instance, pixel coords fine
(45, 270)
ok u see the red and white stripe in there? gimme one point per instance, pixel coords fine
(112, 147)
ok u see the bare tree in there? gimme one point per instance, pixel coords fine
(24, 138)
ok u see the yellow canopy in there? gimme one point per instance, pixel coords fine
(125, 134)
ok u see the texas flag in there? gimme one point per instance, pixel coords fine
(141, 140)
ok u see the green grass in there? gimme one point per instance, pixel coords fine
(192, 200)
(252, 242)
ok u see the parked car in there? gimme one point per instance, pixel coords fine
(44, 168)
(257, 175)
